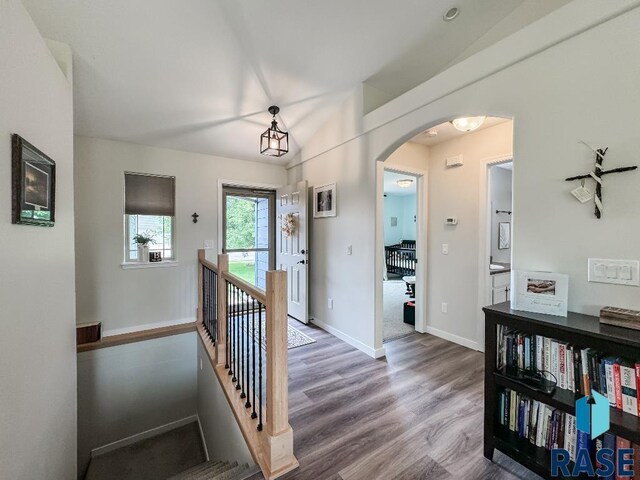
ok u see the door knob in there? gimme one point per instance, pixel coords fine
(302, 262)
(303, 251)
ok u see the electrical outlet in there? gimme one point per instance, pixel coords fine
(330, 303)
(445, 307)
(209, 244)
(349, 249)
(445, 249)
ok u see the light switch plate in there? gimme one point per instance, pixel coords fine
(209, 244)
(619, 272)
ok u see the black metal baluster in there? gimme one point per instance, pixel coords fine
(230, 319)
(247, 335)
(240, 385)
(253, 355)
(209, 331)
(214, 309)
(260, 367)
(227, 364)
(237, 334)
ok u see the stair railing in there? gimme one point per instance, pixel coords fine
(245, 331)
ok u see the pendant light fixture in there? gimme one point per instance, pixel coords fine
(468, 124)
(273, 141)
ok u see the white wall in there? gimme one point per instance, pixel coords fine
(346, 279)
(129, 389)
(221, 431)
(501, 198)
(129, 299)
(393, 207)
(37, 298)
(409, 156)
(409, 204)
(453, 278)
(403, 208)
(543, 76)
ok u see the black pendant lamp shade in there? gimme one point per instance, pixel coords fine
(274, 141)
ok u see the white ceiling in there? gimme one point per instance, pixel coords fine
(198, 75)
(446, 131)
(390, 185)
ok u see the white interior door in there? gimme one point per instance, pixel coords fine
(292, 249)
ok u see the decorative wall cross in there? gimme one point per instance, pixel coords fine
(597, 175)
(195, 217)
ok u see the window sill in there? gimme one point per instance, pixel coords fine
(136, 265)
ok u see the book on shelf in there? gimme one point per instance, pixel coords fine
(546, 427)
(628, 388)
(577, 370)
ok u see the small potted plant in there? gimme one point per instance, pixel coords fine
(142, 241)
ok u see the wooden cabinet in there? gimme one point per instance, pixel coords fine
(500, 287)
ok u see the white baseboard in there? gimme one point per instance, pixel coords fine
(372, 352)
(146, 326)
(96, 452)
(204, 442)
(465, 342)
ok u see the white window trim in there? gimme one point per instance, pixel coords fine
(127, 261)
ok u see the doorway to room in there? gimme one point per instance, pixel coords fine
(454, 254)
(495, 229)
(400, 239)
(248, 232)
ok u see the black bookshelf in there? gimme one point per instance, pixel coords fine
(577, 329)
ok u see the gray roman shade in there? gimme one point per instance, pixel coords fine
(149, 194)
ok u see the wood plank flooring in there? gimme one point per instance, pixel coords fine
(416, 414)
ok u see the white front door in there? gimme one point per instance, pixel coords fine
(291, 246)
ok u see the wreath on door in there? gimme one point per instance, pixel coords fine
(288, 224)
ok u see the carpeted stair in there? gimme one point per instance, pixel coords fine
(216, 471)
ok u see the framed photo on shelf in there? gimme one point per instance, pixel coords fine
(542, 292)
(33, 176)
(325, 201)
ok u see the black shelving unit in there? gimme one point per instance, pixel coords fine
(577, 329)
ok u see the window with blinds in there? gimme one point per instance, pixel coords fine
(149, 209)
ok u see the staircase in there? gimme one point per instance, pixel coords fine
(216, 471)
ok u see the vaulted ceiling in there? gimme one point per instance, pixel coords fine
(198, 75)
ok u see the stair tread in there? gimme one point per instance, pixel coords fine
(201, 468)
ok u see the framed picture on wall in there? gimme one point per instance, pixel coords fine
(325, 201)
(33, 176)
(504, 235)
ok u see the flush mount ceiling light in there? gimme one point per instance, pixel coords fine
(451, 14)
(468, 124)
(430, 133)
(404, 182)
(273, 141)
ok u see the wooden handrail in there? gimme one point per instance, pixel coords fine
(255, 292)
(137, 336)
(272, 447)
(203, 260)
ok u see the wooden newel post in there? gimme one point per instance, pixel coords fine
(221, 344)
(199, 310)
(277, 353)
(278, 441)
